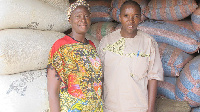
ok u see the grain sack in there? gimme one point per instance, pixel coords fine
(188, 83)
(168, 105)
(195, 18)
(170, 10)
(100, 11)
(167, 87)
(32, 14)
(101, 29)
(25, 49)
(116, 4)
(93, 39)
(60, 4)
(173, 59)
(197, 109)
(179, 34)
(24, 92)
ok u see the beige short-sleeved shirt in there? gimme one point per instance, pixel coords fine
(128, 64)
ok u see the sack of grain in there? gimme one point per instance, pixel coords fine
(93, 39)
(32, 14)
(188, 83)
(197, 109)
(195, 18)
(170, 10)
(179, 34)
(24, 92)
(100, 10)
(167, 87)
(173, 59)
(168, 105)
(60, 4)
(25, 49)
(101, 29)
(116, 4)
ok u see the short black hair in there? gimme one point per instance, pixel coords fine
(130, 2)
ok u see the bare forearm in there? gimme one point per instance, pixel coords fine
(54, 103)
(152, 92)
(53, 87)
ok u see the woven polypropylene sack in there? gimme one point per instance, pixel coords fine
(167, 87)
(188, 83)
(93, 39)
(25, 49)
(173, 59)
(32, 14)
(195, 18)
(116, 4)
(101, 29)
(168, 105)
(24, 92)
(179, 34)
(60, 4)
(197, 109)
(100, 10)
(170, 10)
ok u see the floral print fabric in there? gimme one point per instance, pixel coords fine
(80, 70)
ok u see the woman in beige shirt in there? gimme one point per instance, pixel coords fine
(132, 65)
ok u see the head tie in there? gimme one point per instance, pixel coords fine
(74, 5)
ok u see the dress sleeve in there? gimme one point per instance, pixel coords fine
(55, 60)
(155, 70)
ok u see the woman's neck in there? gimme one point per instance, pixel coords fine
(78, 37)
(128, 35)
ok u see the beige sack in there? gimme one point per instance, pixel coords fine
(24, 92)
(60, 4)
(25, 49)
(93, 39)
(32, 14)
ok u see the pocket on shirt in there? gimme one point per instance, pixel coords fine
(139, 67)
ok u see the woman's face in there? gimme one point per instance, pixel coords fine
(130, 17)
(80, 20)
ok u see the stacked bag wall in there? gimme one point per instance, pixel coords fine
(188, 83)
(170, 10)
(100, 10)
(167, 87)
(101, 29)
(32, 14)
(24, 92)
(195, 18)
(25, 49)
(179, 34)
(173, 59)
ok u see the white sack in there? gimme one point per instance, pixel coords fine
(24, 92)
(25, 49)
(32, 14)
(60, 4)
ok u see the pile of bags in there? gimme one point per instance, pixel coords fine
(175, 25)
(28, 30)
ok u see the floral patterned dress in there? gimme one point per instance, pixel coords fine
(80, 71)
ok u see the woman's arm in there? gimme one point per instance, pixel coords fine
(152, 93)
(53, 87)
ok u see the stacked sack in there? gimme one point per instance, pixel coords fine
(178, 39)
(28, 30)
